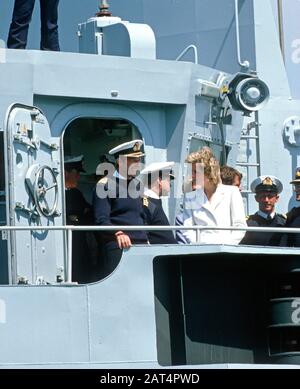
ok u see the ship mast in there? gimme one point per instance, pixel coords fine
(104, 9)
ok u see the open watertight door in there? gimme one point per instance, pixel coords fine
(34, 197)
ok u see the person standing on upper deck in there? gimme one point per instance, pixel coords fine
(78, 213)
(118, 202)
(22, 13)
(293, 216)
(211, 203)
(157, 178)
(231, 176)
(267, 190)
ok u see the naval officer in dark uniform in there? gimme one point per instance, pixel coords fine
(118, 202)
(267, 190)
(78, 210)
(17, 37)
(157, 180)
(293, 216)
(78, 213)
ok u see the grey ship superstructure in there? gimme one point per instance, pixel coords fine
(163, 305)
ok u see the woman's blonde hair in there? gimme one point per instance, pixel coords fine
(211, 166)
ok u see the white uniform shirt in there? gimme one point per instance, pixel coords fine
(226, 209)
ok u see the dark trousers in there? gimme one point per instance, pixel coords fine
(18, 32)
(110, 258)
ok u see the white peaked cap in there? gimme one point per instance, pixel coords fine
(157, 167)
(128, 149)
(72, 159)
(266, 183)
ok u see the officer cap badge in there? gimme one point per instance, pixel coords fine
(137, 146)
(296, 180)
(267, 181)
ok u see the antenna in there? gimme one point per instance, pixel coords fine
(103, 7)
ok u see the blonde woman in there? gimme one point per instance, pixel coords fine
(211, 203)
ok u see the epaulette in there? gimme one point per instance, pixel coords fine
(145, 201)
(282, 216)
(103, 181)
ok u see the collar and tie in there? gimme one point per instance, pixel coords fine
(266, 216)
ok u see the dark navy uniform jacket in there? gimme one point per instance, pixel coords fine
(78, 210)
(118, 208)
(293, 220)
(155, 216)
(264, 238)
(79, 213)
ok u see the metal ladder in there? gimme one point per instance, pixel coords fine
(250, 140)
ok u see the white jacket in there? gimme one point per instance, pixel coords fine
(226, 209)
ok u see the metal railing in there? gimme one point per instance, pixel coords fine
(243, 64)
(70, 228)
(190, 47)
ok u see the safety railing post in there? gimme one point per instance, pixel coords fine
(69, 256)
(198, 235)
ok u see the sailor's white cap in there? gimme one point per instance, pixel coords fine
(74, 162)
(73, 159)
(266, 184)
(159, 167)
(107, 158)
(128, 149)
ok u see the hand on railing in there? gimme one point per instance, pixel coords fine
(123, 240)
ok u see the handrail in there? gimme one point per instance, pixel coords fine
(147, 228)
(70, 228)
(186, 50)
(244, 64)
